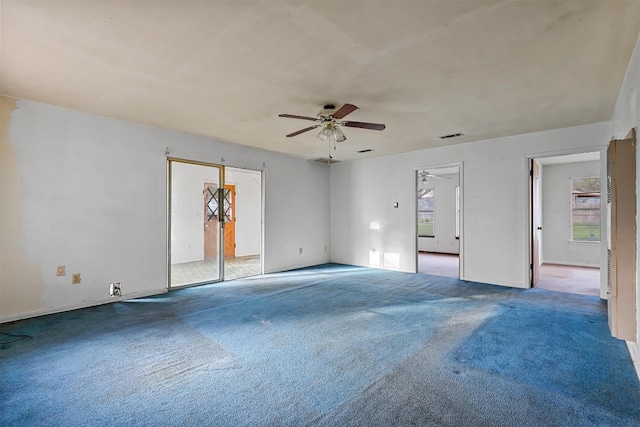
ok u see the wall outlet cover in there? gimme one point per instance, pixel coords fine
(114, 290)
(75, 278)
(61, 270)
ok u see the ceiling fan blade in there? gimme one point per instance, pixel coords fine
(302, 131)
(344, 110)
(293, 116)
(363, 125)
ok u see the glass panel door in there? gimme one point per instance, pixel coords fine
(195, 219)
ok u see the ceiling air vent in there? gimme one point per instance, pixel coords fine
(324, 160)
(453, 135)
(368, 150)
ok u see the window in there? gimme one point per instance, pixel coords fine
(425, 213)
(585, 209)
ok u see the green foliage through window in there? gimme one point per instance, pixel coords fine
(425, 213)
(585, 209)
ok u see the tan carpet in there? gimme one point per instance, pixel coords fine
(565, 278)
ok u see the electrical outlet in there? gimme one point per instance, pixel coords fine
(75, 278)
(61, 270)
(300, 251)
(325, 248)
(114, 290)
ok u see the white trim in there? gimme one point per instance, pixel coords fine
(634, 352)
(571, 264)
(46, 311)
(585, 242)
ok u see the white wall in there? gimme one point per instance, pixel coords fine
(557, 247)
(90, 193)
(626, 115)
(444, 240)
(248, 209)
(495, 213)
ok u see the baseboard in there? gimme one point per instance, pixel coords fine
(571, 264)
(294, 267)
(634, 352)
(46, 311)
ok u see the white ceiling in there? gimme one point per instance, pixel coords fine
(226, 69)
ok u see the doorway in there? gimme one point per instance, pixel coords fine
(438, 213)
(208, 227)
(243, 227)
(566, 223)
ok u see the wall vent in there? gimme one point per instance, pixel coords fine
(453, 135)
(368, 150)
(324, 160)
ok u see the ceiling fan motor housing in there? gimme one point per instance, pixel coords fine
(326, 112)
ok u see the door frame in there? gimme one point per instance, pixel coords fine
(535, 220)
(603, 211)
(460, 166)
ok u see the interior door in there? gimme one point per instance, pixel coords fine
(536, 220)
(230, 221)
(621, 198)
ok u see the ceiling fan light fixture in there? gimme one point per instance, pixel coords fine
(325, 132)
(338, 135)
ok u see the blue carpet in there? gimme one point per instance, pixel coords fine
(329, 345)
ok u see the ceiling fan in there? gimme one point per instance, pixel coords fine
(330, 120)
(423, 186)
(425, 176)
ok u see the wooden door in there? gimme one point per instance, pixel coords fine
(536, 221)
(621, 198)
(230, 221)
(210, 220)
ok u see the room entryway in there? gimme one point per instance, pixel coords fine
(439, 207)
(566, 223)
(243, 229)
(215, 222)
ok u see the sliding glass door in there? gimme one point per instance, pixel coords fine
(196, 218)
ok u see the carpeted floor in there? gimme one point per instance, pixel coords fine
(330, 345)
